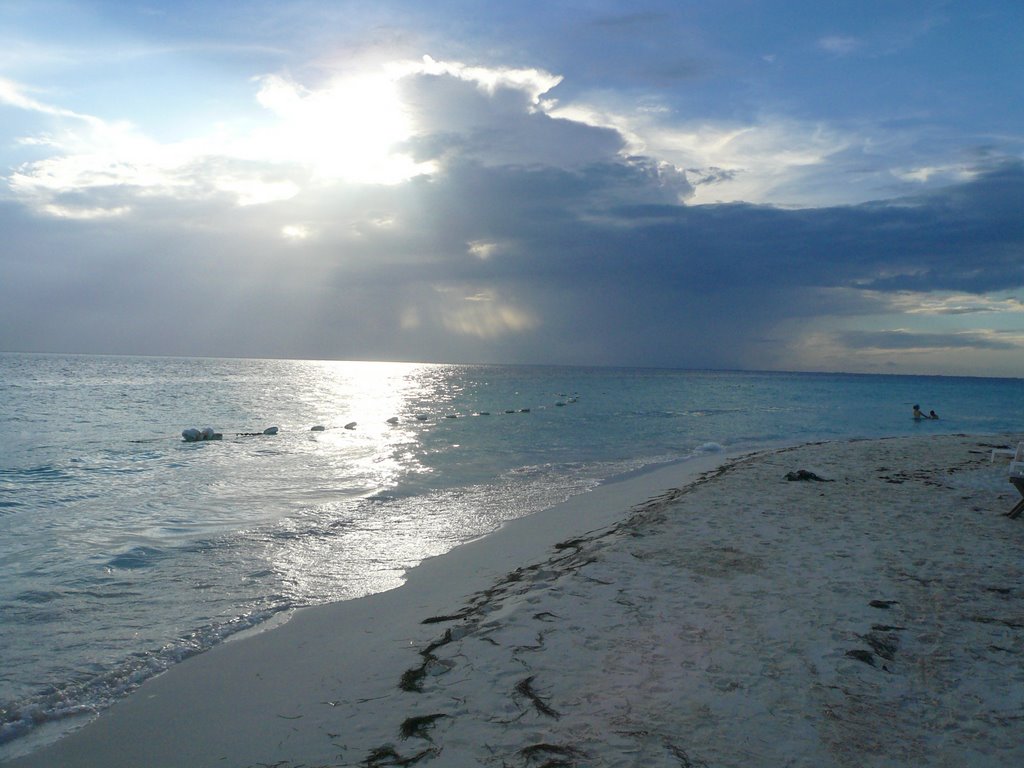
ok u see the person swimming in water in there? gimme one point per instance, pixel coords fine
(918, 414)
(933, 415)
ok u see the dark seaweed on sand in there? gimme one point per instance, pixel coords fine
(556, 755)
(525, 688)
(418, 726)
(386, 757)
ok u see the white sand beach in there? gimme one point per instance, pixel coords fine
(874, 617)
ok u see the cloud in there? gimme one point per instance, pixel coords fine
(956, 304)
(403, 119)
(840, 45)
(481, 313)
(532, 83)
(357, 128)
(765, 159)
(589, 264)
(499, 123)
(483, 249)
(518, 229)
(603, 281)
(15, 95)
(97, 168)
(899, 339)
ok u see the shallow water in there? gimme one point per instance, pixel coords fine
(126, 549)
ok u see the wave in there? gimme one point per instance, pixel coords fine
(71, 701)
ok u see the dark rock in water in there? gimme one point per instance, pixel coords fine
(860, 655)
(883, 603)
(803, 474)
(317, 428)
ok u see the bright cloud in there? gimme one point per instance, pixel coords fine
(483, 249)
(295, 232)
(481, 314)
(725, 162)
(15, 95)
(955, 304)
(905, 339)
(959, 172)
(533, 82)
(351, 129)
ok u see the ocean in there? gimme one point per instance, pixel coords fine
(125, 549)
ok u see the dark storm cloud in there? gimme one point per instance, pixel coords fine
(589, 262)
(968, 238)
(685, 285)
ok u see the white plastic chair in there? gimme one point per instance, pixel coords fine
(1017, 463)
(1001, 452)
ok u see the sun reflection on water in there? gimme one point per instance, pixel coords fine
(368, 414)
(363, 407)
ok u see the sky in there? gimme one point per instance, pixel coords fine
(740, 184)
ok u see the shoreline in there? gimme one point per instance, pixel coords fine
(662, 633)
(446, 577)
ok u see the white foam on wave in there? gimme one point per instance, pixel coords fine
(57, 711)
(709, 448)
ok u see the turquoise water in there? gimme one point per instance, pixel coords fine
(124, 549)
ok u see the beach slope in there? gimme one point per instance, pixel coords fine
(867, 612)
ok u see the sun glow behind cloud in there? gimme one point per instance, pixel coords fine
(350, 130)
